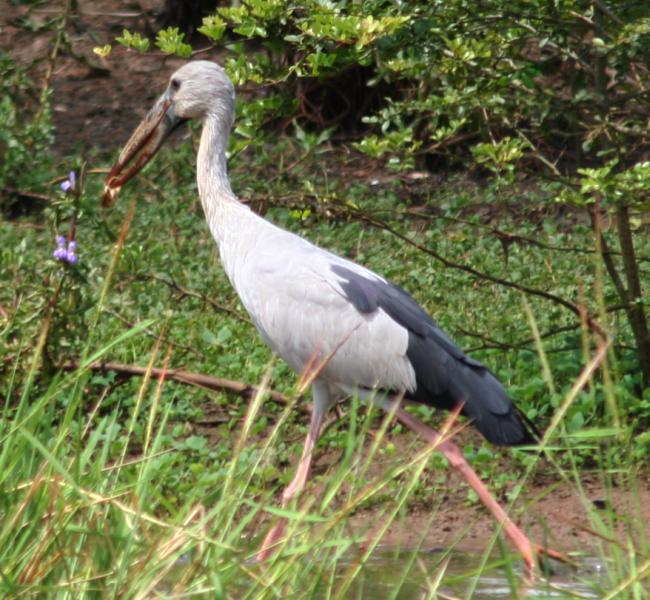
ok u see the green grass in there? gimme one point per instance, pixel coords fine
(107, 486)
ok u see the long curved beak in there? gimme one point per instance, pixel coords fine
(143, 144)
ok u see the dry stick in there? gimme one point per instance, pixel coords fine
(606, 254)
(521, 344)
(154, 335)
(26, 194)
(574, 308)
(50, 63)
(44, 197)
(41, 344)
(186, 377)
(634, 292)
(186, 292)
(510, 238)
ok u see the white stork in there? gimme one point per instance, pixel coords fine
(373, 339)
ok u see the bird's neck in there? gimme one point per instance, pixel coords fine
(212, 172)
(229, 220)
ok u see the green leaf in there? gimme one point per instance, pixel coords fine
(213, 27)
(196, 443)
(133, 40)
(170, 40)
(224, 334)
(209, 337)
(104, 50)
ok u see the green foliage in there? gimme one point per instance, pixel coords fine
(170, 40)
(133, 40)
(25, 137)
(612, 187)
(556, 92)
(213, 28)
(560, 85)
(103, 51)
(500, 157)
(119, 486)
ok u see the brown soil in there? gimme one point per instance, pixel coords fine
(555, 515)
(97, 103)
(552, 512)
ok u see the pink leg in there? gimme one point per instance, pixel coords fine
(322, 403)
(526, 548)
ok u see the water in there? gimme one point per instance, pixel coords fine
(393, 575)
(384, 573)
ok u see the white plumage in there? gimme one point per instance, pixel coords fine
(301, 311)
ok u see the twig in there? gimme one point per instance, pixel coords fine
(494, 343)
(185, 292)
(93, 13)
(196, 379)
(58, 37)
(606, 254)
(26, 194)
(637, 316)
(574, 308)
(608, 13)
(506, 236)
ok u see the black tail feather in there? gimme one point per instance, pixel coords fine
(448, 380)
(492, 411)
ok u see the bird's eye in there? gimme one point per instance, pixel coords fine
(175, 84)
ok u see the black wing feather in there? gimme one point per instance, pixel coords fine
(445, 375)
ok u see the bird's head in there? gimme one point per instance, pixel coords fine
(197, 90)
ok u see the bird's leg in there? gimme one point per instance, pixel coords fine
(322, 402)
(455, 457)
(304, 466)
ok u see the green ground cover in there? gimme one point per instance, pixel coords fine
(113, 483)
(106, 484)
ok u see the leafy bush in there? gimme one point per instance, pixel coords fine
(24, 137)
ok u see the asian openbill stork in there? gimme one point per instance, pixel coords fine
(307, 303)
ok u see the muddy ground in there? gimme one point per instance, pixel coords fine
(96, 104)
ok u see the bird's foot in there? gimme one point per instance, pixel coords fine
(544, 553)
(534, 557)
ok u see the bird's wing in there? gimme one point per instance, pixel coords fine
(445, 376)
(298, 304)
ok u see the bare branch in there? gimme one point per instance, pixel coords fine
(574, 308)
(186, 292)
(187, 377)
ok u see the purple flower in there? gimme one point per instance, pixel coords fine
(66, 254)
(70, 183)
